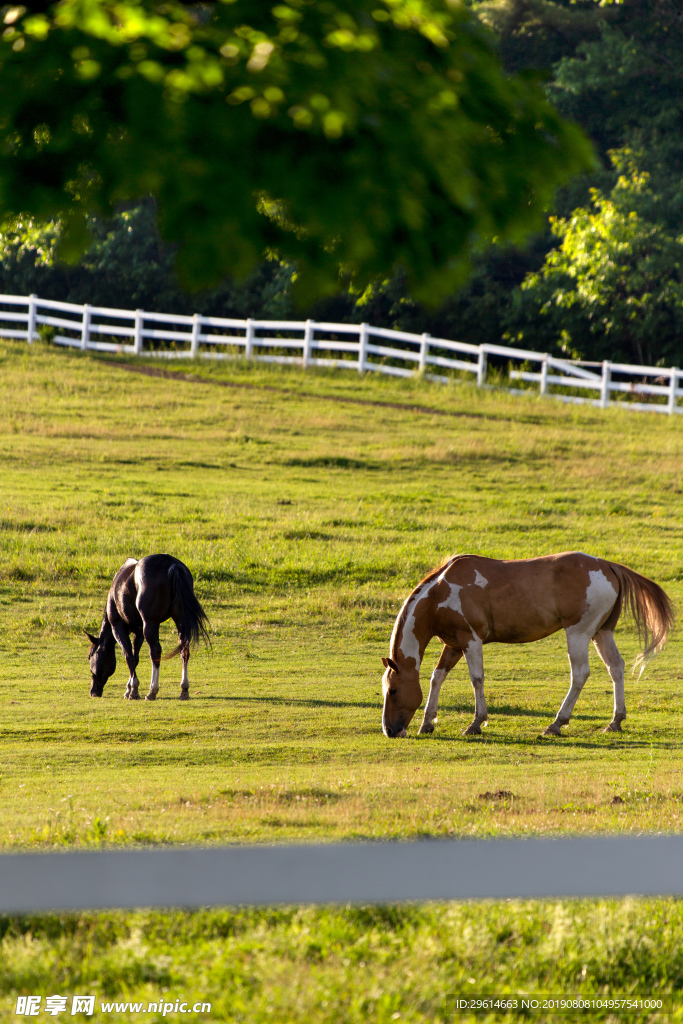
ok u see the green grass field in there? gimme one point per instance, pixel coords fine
(308, 505)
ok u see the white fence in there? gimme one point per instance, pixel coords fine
(350, 346)
(650, 865)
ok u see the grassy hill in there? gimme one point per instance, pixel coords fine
(308, 505)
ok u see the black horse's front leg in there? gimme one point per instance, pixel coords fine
(132, 655)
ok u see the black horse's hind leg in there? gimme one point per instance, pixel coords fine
(185, 682)
(151, 633)
(184, 657)
(132, 656)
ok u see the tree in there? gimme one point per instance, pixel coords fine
(626, 89)
(535, 34)
(126, 265)
(614, 287)
(364, 133)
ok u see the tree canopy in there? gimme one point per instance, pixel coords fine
(369, 134)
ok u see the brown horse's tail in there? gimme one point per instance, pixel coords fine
(650, 607)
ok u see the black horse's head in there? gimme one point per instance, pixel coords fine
(102, 657)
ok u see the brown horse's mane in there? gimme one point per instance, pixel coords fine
(430, 576)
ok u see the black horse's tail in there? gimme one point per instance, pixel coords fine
(194, 622)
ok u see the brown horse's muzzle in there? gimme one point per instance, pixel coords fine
(397, 728)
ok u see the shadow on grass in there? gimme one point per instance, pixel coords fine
(307, 702)
(602, 741)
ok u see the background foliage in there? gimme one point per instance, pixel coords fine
(602, 279)
(366, 133)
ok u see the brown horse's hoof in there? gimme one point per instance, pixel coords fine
(184, 695)
(613, 727)
(134, 695)
(425, 729)
(473, 729)
(552, 730)
(151, 696)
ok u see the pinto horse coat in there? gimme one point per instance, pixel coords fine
(471, 601)
(142, 595)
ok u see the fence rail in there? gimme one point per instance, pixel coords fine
(387, 872)
(307, 343)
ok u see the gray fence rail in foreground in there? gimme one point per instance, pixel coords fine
(307, 343)
(342, 873)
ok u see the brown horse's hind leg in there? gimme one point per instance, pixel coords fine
(448, 660)
(474, 656)
(577, 649)
(607, 649)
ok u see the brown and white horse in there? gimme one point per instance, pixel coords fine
(471, 601)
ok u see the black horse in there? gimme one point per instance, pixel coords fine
(144, 594)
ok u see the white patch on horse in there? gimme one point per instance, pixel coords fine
(600, 594)
(479, 580)
(453, 599)
(410, 645)
(452, 602)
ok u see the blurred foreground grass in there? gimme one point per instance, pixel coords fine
(358, 964)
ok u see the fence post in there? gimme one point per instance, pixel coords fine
(606, 381)
(543, 383)
(31, 322)
(196, 329)
(424, 348)
(249, 339)
(481, 367)
(85, 329)
(362, 347)
(308, 340)
(137, 341)
(671, 404)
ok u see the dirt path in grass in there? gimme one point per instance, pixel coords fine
(191, 378)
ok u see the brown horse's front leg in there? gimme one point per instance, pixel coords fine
(448, 660)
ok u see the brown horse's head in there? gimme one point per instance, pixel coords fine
(102, 657)
(402, 697)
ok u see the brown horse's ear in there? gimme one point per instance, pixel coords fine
(93, 639)
(390, 663)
